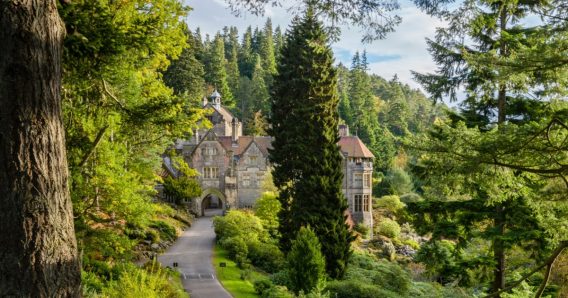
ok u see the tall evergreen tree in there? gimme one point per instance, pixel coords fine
(304, 113)
(185, 74)
(233, 74)
(278, 41)
(306, 264)
(216, 73)
(267, 50)
(479, 29)
(246, 55)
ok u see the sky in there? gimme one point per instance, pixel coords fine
(402, 51)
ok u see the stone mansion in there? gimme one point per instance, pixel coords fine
(233, 167)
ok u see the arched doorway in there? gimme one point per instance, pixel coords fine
(212, 202)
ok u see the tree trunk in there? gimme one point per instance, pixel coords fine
(38, 250)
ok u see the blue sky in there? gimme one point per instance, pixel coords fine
(402, 51)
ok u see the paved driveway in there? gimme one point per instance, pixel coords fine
(193, 251)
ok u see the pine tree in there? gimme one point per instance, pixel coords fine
(233, 74)
(185, 74)
(306, 264)
(216, 74)
(304, 113)
(246, 55)
(278, 41)
(267, 50)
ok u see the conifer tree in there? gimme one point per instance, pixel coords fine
(478, 30)
(216, 74)
(267, 50)
(306, 264)
(185, 74)
(233, 74)
(304, 113)
(278, 41)
(246, 57)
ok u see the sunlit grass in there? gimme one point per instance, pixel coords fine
(230, 276)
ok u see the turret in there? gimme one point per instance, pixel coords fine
(215, 98)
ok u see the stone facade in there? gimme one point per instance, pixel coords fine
(234, 167)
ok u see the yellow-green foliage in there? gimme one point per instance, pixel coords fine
(133, 282)
(389, 228)
(230, 276)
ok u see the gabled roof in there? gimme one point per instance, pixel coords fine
(354, 147)
(263, 143)
(222, 110)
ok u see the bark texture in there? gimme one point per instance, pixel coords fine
(38, 250)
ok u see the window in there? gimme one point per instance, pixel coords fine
(246, 180)
(367, 180)
(210, 172)
(361, 203)
(252, 159)
(209, 151)
(357, 179)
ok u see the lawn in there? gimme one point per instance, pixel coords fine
(230, 276)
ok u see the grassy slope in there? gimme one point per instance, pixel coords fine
(230, 276)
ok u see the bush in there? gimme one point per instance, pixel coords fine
(182, 189)
(362, 229)
(267, 208)
(389, 228)
(390, 203)
(281, 278)
(239, 223)
(367, 269)
(266, 256)
(357, 289)
(166, 231)
(262, 285)
(237, 249)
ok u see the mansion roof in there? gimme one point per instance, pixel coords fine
(352, 146)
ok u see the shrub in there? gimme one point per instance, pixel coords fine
(366, 268)
(237, 249)
(281, 278)
(182, 189)
(266, 256)
(362, 229)
(262, 285)
(357, 289)
(389, 228)
(267, 208)
(306, 264)
(166, 231)
(239, 223)
(390, 203)
(278, 292)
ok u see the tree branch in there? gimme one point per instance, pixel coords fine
(549, 262)
(88, 154)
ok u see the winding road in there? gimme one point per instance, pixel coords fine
(193, 252)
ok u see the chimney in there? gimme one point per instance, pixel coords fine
(235, 126)
(204, 101)
(197, 136)
(343, 130)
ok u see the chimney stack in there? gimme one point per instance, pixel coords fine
(343, 130)
(235, 127)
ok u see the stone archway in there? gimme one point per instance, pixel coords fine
(212, 198)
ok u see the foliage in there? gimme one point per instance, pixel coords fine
(390, 203)
(309, 177)
(131, 282)
(357, 289)
(389, 228)
(183, 188)
(266, 256)
(239, 223)
(306, 264)
(266, 208)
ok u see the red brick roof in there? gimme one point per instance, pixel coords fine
(354, 147)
